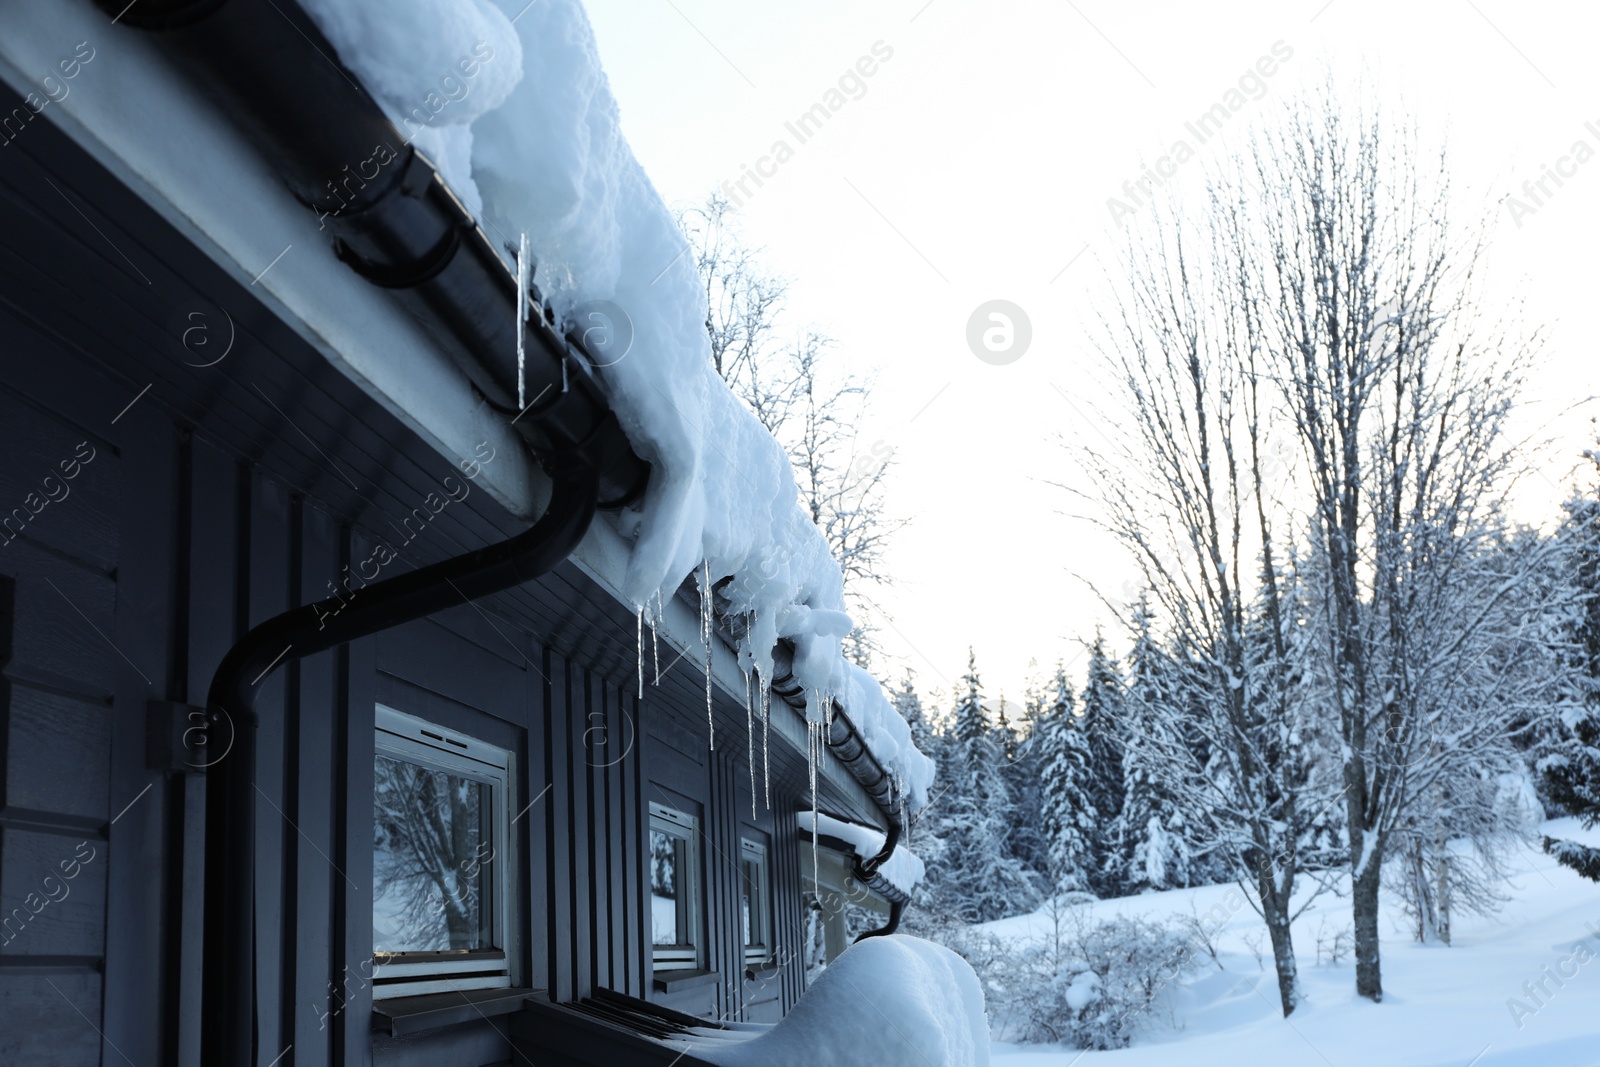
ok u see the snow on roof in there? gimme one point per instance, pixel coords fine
(892, 1001)
(510, 102)
(904, 868)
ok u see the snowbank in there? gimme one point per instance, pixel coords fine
(531, 140)
(892, 1001)
(903, 868)
(1513, 990)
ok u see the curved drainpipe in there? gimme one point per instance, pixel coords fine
(847, 745)
(866, 873)
(897, 908)
(228, 992)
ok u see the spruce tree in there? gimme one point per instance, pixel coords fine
(1068, 817)
(981, 879)
(1151, 830)
(1571, 774)
(1102, 723)
(909, 705)
(1023, 773)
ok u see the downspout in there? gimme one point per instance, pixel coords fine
(896, 909)
(847, 745)
(228, 1024)
(866, 873)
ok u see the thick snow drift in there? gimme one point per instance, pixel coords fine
(510, 100)
(1515, 989)
(892, 1001)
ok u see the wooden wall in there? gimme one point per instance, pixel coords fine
(220, 547)
(207, 508)
(58, 677)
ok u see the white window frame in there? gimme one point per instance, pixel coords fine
(755, 852)
(412, 740)
(685, 827)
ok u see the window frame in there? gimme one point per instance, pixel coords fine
(761, 951)
(409, 739)
(688, 955)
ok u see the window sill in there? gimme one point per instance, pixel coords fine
(673, 981)
(407, 1015)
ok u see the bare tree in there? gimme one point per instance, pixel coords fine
(430, 856)
(1373, 331)
(1183, 486)
(1325, 293)
(743, 303)
(812, 410)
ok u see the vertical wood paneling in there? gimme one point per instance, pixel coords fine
(138, 942)
(596, 723)
(581, 831)
(272, 533)
(535, 826)
(353, 1037)
(635, 918)
(211, 593)
(559, 829)
(616, 838)
(790, 886)
(318, 864)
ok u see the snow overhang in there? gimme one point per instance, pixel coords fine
(140, 118)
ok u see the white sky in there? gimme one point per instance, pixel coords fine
(977, 166)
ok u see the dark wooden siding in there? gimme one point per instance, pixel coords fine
(58, 676)
(202, 513)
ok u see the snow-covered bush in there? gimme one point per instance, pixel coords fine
(1090, 982)
(1103, 980)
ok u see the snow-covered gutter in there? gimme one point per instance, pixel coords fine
(884, 863)
(512, 102)
(403, 228)
(137, 116)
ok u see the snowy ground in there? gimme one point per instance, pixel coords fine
(1442, 1007)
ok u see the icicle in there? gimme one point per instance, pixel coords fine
(750, 742)
(638, 644)
(564, 382)
(655, 637)
(905, 808)
(816, 831)
(766, 737)
(705, 635)
(522, 323)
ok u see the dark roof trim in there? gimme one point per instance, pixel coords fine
(400, 227)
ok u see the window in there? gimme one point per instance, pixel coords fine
(440, 897)
(674, 889)
(755, 892)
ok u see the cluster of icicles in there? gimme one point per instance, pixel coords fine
(757, 701)
(764, 685)
(815, 724)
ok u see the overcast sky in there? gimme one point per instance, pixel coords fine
(975, 162)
